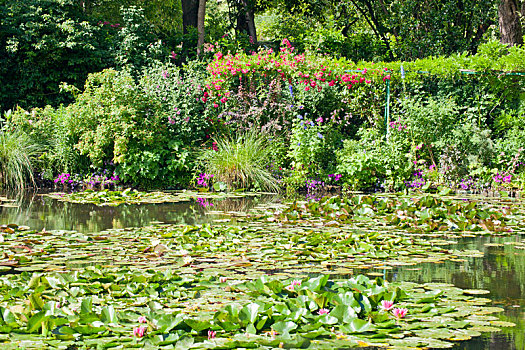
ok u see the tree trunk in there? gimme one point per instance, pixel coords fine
(200, 24)
(190, 9)
(246, 20)
(509, 23)
(250, 20)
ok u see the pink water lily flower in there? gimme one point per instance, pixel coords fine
(139, 331)
(211, 334)
(323, 311)
(400, 312)
(387, 305)
(292, 286)
(142, 319)
(223, 279)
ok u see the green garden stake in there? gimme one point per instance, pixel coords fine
(387, 108)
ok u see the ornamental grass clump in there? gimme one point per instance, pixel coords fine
(16, 152)
(240, 162)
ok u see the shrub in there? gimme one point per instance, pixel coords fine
(313, 143)
(43, 43)
(372, 162)
(118, 123)
(54, 130)
(177, 93)
(241, 162)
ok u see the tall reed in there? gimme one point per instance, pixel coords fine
(16, 153)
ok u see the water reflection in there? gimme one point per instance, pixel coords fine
(39, 212)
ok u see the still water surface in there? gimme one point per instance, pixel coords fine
(501, 270)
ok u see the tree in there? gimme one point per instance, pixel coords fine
(200, 24)
(242, 15)
(509, 22)
(190, 9)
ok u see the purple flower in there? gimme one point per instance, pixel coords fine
(320, 135)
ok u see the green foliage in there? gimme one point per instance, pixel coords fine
(17, 152)
(428, 121)
(117, 122)
(43, 43)
(373, 162)
(136, 44)
(164, 15)
(178, 92)
(54, 130)
(241, 162)
(312, 144)
(380, 30)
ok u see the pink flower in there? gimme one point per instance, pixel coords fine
(323, 312)
(400, 313)
(387, 305)
(319, 120)
(223, 279)
(211, 334)
(294, 283)
(142, 319)
(173, 55)
(139, 331)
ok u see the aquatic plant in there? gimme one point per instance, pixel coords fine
(131, 196)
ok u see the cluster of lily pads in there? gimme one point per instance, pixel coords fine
(207, 286)
(252, 248)
(109, 308)
(131, 196)
(417, 214)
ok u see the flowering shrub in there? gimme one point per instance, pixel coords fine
(313, 142)
(313, 72)
(319, 85)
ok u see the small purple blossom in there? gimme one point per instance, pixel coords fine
(203, 179)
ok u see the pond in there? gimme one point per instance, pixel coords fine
(501, 270)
